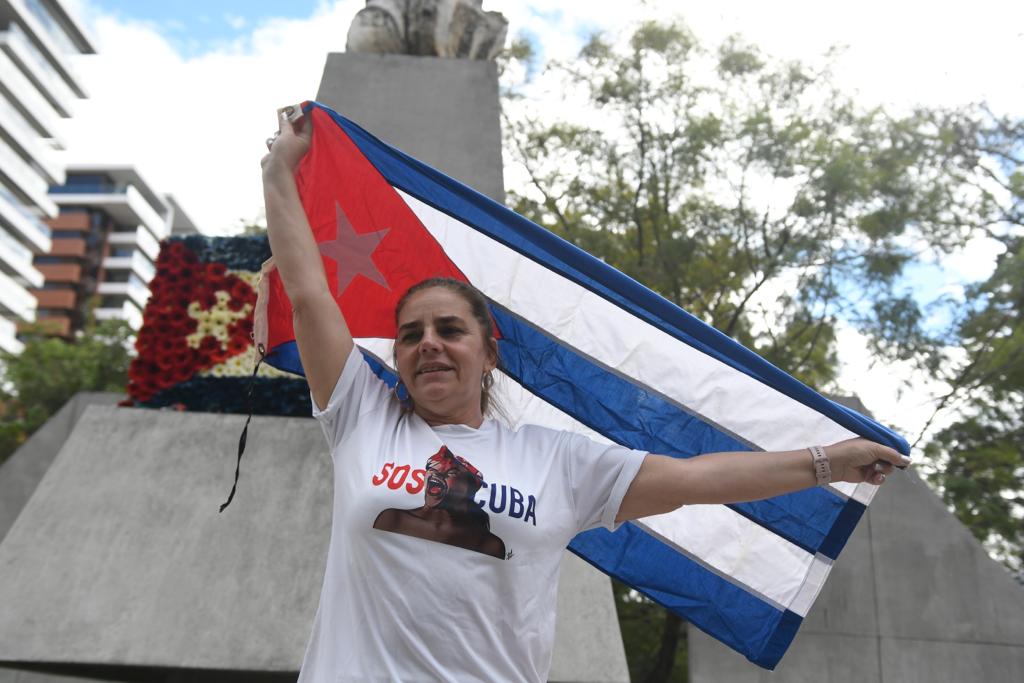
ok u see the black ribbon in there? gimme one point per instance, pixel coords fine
(245, 429)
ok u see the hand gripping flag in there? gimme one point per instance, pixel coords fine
(588, 349)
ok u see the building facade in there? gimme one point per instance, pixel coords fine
(37, 89)
(105, 240)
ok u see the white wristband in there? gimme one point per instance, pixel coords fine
(822, 466)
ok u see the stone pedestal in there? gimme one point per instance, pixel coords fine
(913, 598)
(444, 112)
(119, 567)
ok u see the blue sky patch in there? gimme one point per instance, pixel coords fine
(195, 27)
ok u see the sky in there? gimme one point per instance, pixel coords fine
(187, 91)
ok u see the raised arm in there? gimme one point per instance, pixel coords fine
(664, 484)
(322, 336)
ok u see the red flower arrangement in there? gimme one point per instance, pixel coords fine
(173, 344)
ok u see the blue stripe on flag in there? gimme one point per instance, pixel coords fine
(534, 242)
(842, 529)
(285, 357)
(715, 605)
(632, 415)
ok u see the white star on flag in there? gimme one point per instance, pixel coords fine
(353, 251)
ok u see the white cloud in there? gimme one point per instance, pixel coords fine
(896, 394)
(235, 21)
(195, 126)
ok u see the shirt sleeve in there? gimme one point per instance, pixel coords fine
(358, 391)
(599, 475)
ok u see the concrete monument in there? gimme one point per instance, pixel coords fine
(119, 566)
(914, 598)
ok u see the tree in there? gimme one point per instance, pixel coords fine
(760, 198)
(982, 452)
(50, 370)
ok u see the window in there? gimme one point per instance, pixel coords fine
(109, 301)
(98, 220)
(92, 183)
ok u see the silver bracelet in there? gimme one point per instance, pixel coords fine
(822, 467)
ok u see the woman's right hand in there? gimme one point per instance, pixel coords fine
(289, 144)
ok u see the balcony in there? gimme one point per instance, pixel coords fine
(16, 260)
(100, 188)
(36, 110)
(68, 247)
(127, 311)
(56, 298)
(28, 142)
(8, 340)
(32, 62)
(56, 325)
(50, 39)
(16, 215)
(122, 202)
(60, 272)
(15, 300)
(78, 220)
(139, 238)
(133, 290)
(27, 180)
(137, 263)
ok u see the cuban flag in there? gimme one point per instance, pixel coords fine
(585, 348)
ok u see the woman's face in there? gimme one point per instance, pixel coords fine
(442, 356)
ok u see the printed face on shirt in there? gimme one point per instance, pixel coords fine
(449, 514)
(442, 355)
(451, 482)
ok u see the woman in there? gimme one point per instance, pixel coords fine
(401, 606)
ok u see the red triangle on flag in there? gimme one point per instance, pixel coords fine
(360, 222)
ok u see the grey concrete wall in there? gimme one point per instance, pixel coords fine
(444, 112)
(588, 642)
(912, 598)
(120, 558)
(22, 472)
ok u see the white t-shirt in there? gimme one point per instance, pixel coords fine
(409, 596)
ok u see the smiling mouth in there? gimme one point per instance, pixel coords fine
(432, 369)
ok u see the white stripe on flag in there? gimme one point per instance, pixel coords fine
(735, 402)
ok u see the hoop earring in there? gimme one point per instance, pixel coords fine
(402, 394)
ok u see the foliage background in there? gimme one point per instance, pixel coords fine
(35, 384)
(757, 195)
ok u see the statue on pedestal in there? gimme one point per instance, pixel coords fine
(428, 28)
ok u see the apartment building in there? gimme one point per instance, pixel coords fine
(37, 89)
(105, 238)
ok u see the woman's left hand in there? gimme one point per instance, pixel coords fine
(288, 145)
(860, 460)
